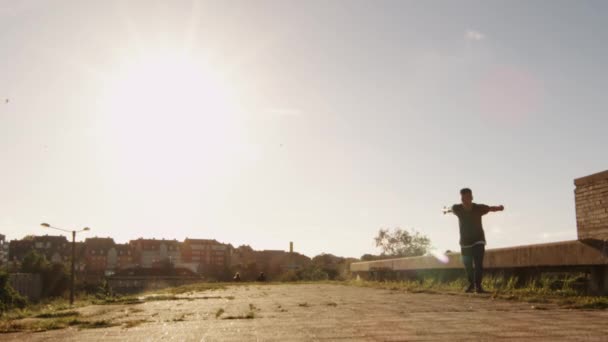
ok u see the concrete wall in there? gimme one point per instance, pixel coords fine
(567, 253)
(591, 197)
(27, 284)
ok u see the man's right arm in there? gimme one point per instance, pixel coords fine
(455, 209)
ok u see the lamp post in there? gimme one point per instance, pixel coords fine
(46, 225)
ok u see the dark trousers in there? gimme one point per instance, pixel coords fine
(474, 256)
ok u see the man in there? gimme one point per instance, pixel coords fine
(472, 237)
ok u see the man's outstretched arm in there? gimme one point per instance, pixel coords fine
(497, 208)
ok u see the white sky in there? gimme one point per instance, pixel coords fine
(317, 122)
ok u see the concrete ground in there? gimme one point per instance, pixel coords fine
(315, 312)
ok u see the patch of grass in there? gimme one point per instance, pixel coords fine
(331, 304)
(134, 323)
(205, 297)
(197, 287)
(536, 307)
(58, 314)
(219, 312)
(11, 326)
(127, 300)
(249, 315)
(102, 323)
(156, 298)
(135, 310)
(229, 297)
(563, 290)
(304, 305)
(45, 324)
(595, 303)
(180, 318)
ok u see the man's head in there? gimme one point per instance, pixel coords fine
(466, 196)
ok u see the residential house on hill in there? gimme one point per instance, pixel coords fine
(209, 256)
(3, 250)
(152, 252)
(96, 252)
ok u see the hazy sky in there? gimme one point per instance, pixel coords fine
(318, 122)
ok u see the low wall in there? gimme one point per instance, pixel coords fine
(566, 253)
(27, 284)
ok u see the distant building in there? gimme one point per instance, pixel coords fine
(55, 249)
(18, 249)
(250, 262)
(209, 255)
(3, 250)
(120, 257)
(96, 253)
(152, 252)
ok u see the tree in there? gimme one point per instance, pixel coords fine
(9, 298)
(33, 262)
(55, 277)
(402, 242)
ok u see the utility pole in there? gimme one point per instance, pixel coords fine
(73, 267)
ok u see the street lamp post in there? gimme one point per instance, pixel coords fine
(46, 225)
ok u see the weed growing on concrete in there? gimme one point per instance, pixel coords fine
(134, 323)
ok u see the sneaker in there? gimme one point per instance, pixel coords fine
(470, 289)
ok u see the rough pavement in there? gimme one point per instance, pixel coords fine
(315, 312)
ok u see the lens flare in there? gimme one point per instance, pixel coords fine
(442, 258)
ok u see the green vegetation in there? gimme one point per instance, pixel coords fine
(562, 291)
(39, 325)
(249, 315)
(310, 273)
(180, 318)
(197, 287)
(399, 243)
(55, 277)
(95, 324)
(134, 323)
(58, 314)
(219, 312)
(9, 298)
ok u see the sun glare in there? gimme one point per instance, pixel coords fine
(170, 114)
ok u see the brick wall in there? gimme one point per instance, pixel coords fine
(591, 197)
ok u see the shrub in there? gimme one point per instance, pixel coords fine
(55, 277)
(9, 298)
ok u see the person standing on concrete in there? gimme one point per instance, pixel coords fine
(472, 237)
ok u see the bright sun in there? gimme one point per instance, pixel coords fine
(169, 114)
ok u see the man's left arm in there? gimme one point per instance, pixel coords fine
(484, 209)
(496, 208)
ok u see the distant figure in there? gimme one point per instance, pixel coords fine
(472, 237)
(237, 277)
(262, 277)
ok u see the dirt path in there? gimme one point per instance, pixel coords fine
(314, 312)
